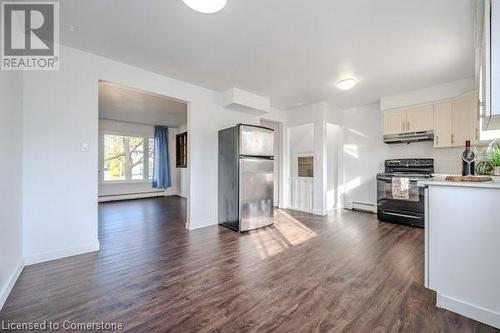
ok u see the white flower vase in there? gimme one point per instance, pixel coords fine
(496, 171)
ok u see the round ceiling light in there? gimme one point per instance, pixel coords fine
(346, 84)
(206, 6)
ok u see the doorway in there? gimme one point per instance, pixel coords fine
(142, 156)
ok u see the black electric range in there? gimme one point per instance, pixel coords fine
(409, 210)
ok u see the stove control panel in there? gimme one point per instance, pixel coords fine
(419, 162)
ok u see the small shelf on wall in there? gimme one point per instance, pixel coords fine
(181, 150)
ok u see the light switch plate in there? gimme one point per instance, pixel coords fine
(84, 147)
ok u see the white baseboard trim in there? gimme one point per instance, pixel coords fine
(5, 291)
(193, 225)
(300, 210)
(320, 212)
(466, 309)
(63, 253)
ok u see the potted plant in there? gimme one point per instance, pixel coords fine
(494, 157)
(483, 165)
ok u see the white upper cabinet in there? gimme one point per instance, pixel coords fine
(465, 119)
(394, 122)
(442, 125)
(412, 119)
(453, 122)
(420, 118)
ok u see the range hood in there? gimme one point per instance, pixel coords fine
(409, 137)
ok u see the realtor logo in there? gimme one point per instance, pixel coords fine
(30, 35)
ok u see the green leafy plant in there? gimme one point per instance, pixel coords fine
(494, 155)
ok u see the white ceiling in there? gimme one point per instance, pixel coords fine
(290, 50)
(137, 106)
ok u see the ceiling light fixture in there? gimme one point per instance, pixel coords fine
(206, 6)
(346, 84)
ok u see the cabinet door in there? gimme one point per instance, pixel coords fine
(394, 121)
(420, 118)
(465, 123)
(442, 125)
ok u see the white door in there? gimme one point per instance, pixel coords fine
(394, 122)
(442, 125)
(420, 118)
(301, 182)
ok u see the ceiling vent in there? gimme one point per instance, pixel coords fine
(241, 100)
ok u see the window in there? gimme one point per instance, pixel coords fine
(128, 158)
(305, 166)
(181, 150)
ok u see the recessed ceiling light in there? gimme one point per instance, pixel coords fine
(206, 6)
(346, 84)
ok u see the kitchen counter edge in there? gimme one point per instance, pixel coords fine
(439, 180)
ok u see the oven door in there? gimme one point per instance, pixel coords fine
(408, 211)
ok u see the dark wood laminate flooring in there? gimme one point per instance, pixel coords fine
(343, 273)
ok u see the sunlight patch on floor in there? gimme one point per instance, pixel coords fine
(287, 232)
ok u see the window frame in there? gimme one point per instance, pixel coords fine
(295, 164)
(181, 162)
(146, 173)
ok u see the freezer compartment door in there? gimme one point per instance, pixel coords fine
(256, 141)
(256, 193)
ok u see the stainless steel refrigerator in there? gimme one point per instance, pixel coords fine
(246, 154)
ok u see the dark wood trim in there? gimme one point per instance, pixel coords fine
(181, 142)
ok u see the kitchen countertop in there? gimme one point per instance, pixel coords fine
(439, 180)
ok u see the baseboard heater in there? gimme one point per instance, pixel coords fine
(134, 193)
(364, 207)
(130, 196)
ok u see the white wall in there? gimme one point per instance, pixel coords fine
(301, 141)
(113, 190)
(334, 172)
(363, 154)
(315, 114)
(446, 160)
(325, 123)
(11, 256)
(61, 112)
(428, 94)
(277, 127)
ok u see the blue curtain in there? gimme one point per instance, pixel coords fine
(161, 165)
